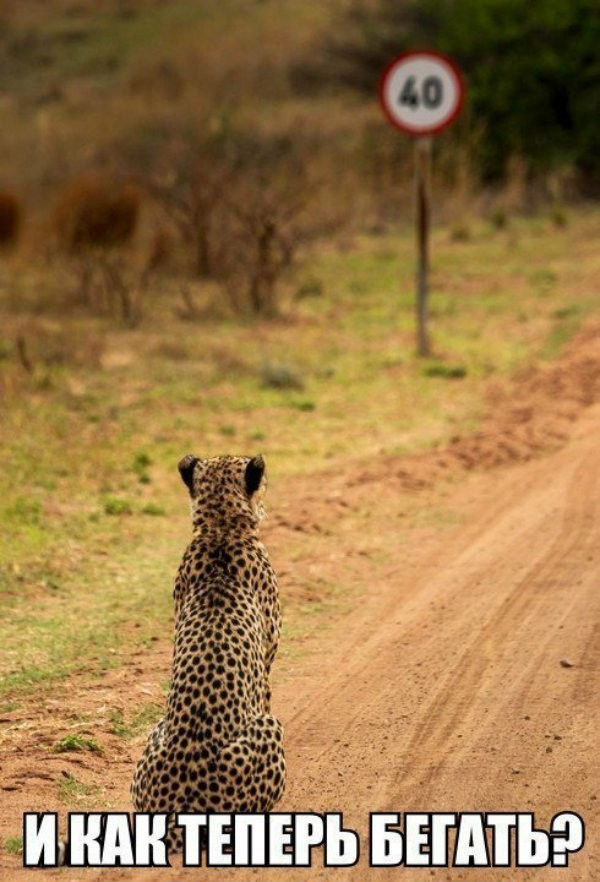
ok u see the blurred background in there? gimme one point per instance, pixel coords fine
(212, 141)
(217, 139)
(207, 245)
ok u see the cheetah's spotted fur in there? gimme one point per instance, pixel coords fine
(218, 748)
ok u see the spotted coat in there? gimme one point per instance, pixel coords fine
(218, 747)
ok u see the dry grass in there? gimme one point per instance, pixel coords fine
(96, 213)
(10, 218)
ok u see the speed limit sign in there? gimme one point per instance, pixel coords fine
(421, 92)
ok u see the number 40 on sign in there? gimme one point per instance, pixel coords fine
(421, 94)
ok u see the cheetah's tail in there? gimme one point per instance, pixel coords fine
(64, 853)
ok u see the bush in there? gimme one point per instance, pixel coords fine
(107, 285)
(189, 182)
(238, 202)
(160, 252)
(93, 221)
(99, 213)
(266, 221)
(76, 743)
(10, 218)
(262, 247)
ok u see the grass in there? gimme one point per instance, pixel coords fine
(114, 506)
(71, 790)
(139, 724)
(76, 743)
(13, 845)
(449, 371)
(94, 514)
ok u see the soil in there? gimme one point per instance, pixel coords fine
(458, 669)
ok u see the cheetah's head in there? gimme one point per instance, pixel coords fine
(225, 488)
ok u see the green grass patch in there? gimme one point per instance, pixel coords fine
(76, 743)
(153, 509)
(139, 724)
(446, 371)
(567, 312)
(13, 845)
(71, 790)
(116, 507)
(567, 321)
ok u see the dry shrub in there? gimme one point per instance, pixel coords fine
(260, 247)
(95, 219)
(160, 251)
(265, 219)
(10, 218)
(95, 212)
(238, 201)
(191, 193)
(107, 285)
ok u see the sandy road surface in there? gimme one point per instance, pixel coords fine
(443, 689)
(457, 699)
(446, 692)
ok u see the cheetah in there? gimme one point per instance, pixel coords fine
(218, 747)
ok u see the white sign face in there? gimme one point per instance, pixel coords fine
(421, 92)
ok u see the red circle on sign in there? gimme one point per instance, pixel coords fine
(451, 68)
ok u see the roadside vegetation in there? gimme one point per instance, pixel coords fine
(94, 516)
(202, 251)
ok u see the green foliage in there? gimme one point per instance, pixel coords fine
(25, 510)
(304, 404)
(446, 371)
(76, 743)
(114, 506)
(14, 844)
(70, 789)
(153, 509)
(141, 462)
(567, 322)
(532, 69)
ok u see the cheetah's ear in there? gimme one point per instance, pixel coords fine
(186, 470)
(254, 474)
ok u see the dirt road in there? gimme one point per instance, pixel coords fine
(449, 694)
(443, 689)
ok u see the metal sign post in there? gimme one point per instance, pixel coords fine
(422, 180)
(421, 93)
